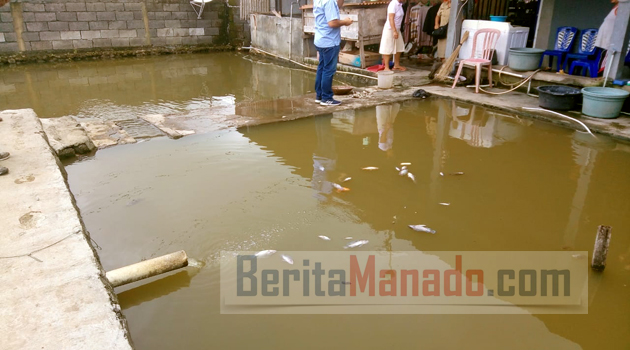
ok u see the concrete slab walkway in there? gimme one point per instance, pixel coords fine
(53, 294)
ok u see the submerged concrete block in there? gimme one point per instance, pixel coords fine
(67, 137)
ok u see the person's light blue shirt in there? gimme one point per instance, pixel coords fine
(326, 11)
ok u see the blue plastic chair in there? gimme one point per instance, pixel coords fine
(564, 42)
(588, 65)
(586, 49)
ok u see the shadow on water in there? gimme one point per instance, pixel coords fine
(137, 295)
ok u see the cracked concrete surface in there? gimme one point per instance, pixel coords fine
(54, 294)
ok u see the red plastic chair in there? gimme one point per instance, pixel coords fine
(490, 38)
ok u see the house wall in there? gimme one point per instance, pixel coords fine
(271, 34)
(35, 25)
(582, 14)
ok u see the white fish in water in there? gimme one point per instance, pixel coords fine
(405, 163)
(348, 238)
(403, 172)
(356, 244)
(397, 169)
(441, 173)
(346, 179)
(325, 238)
(340, 188)
(287, 259)
(445, 203)
(410, 175)
(265, 253)
(457, 173)
(370, 168)
(404, 167)
(422, 228)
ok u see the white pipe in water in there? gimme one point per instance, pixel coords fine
(147, 268)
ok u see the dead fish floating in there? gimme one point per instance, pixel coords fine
(413, 178)
(287, 259)
(457, 173)
(406, 163)
(348, 238)
(265, 253)
(369, 168)
(356, 244)
(422, 228)
(444, 204)
(340, 188)
(404, 172)
(346, 179)
(325, 238)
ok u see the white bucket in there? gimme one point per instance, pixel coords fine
(385, 79)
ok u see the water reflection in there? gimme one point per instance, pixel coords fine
(125, 88)
(253, 190)
(385, 117)
(324, 158)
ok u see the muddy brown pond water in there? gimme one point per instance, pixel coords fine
(527, 186)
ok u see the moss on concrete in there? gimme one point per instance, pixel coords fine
(105, 53)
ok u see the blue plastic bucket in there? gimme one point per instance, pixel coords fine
(498, 18)
(603, 102)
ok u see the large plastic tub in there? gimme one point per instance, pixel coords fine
(558, 97)
(524, 58)
(603, 102)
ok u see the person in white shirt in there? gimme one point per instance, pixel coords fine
(392, 43)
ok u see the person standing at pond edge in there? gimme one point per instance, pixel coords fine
(327, 40)
(391, 41)
(442, 18)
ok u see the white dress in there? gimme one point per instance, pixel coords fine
(606, 30)
(389, 45)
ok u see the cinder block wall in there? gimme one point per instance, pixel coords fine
(36, 25)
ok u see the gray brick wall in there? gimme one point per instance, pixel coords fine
(86, 24)
(8, 42)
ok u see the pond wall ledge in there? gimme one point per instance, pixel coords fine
(105, 53)
(54, 291)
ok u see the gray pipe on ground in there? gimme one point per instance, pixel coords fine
(147, 268)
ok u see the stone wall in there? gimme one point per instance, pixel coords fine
(36, 25)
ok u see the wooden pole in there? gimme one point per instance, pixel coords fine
(602, 241)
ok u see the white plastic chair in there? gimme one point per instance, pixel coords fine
(198, 6)
(490, 38)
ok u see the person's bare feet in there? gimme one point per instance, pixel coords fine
(400, 68)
